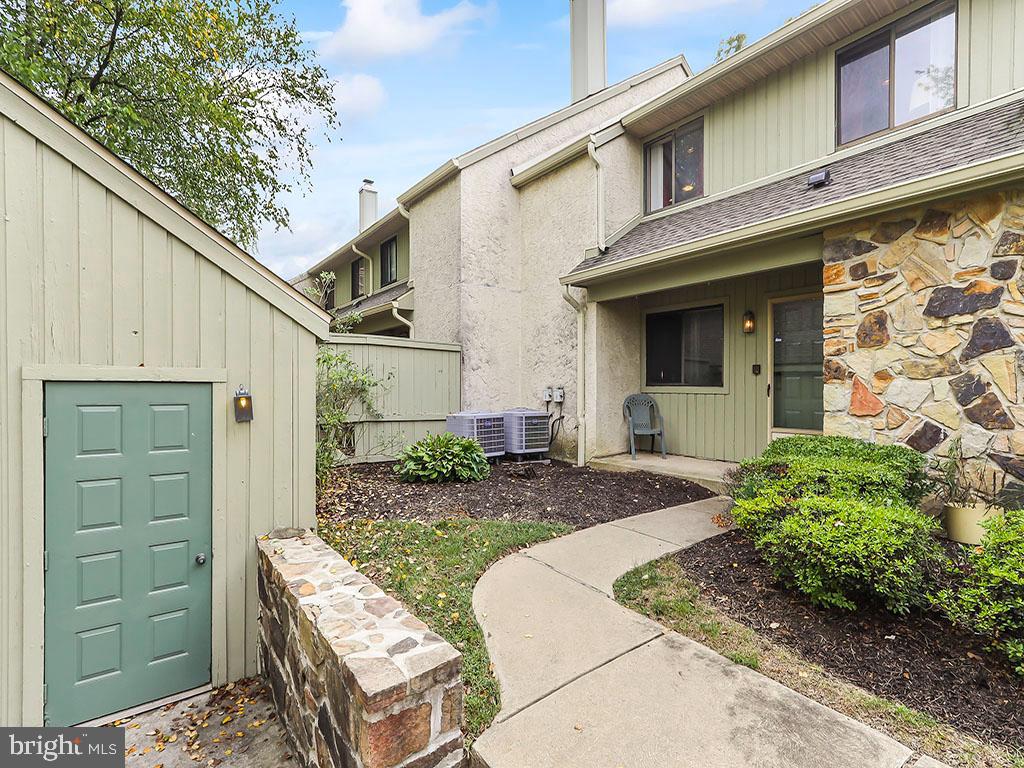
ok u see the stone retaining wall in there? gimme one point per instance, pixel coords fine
(357, 680)
(924, 323)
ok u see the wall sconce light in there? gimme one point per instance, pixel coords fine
(243, 405)
(748, 321)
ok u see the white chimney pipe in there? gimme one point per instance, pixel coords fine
(587, 46)
(367, 204)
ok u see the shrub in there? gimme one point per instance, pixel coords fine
(990, 600)
(443, 458)
(896, 461)
(839, 550)
(341, 388)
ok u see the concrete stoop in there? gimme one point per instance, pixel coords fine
(587, 683)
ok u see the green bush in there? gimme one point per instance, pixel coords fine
(443, 458)
(836, 518)
(840, 550)
(990, 600)
(899, 463)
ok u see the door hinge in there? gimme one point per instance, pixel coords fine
(46, 427)
(46, 560)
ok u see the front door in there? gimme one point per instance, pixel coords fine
(128, 535)
(797, 358)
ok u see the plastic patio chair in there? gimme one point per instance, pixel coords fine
(643, 418)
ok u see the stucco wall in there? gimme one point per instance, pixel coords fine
(613, 372)
(491, 283)
(558, 221)
(434, 262)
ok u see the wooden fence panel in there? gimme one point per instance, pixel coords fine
(421, 383)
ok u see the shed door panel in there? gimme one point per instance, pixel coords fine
(128, 510)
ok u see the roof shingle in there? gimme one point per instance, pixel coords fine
(975, 138)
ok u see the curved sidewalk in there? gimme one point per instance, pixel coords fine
(587, 683)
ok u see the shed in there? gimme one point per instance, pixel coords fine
(131, 497)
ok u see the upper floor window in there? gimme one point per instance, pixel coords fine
(388, 262)
(903, 73)
(357, 279)
(675, 166)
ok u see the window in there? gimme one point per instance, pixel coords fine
(675, 166)
(901, 74)
(357, 279)
(686, 347)
(389, 262)
(329, 298)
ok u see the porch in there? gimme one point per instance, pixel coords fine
(732, 352)
(711, 474)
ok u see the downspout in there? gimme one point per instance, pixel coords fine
(581, 370)
(369, 268)
(399, 318)
(602, 244)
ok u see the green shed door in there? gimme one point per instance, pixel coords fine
(128, 535)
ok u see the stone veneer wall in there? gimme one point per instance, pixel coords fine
(357, 680)
(924, 322)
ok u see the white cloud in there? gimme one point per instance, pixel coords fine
(383, 28)
(647, 13)
(358, 95)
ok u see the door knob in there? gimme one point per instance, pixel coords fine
(201, 558)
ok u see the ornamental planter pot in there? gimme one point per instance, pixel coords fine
(963, 523)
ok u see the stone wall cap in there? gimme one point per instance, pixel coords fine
(383, 650)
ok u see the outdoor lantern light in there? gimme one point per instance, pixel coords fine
(748, 321)
(243, 405)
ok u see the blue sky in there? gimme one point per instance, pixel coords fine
(420, 81)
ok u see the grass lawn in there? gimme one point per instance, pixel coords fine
(663, 591)
(432, 568)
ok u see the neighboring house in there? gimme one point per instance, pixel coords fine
(131, 496)
(472, 267)
(821, 233)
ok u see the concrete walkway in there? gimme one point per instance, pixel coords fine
(588, 683)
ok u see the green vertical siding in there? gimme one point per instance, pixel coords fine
(789, 117)
(421, 383)
(733, 425)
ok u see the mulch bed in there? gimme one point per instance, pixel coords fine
(920, 660)
(555, 492)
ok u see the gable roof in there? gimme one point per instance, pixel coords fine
(985, 136)
(451, 167)
(30, 111)
(387, 225)
(813, 31)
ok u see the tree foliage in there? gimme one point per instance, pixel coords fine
(215, 100)
(727, 46)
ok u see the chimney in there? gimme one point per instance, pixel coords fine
(367, 204)
(587, 46)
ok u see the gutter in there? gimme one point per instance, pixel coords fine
(581, 371)
(399, 318)
(602, 244)
(987, 173)
(369, 267)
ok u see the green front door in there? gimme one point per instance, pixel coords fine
(128, 535)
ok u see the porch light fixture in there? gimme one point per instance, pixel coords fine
(243, 405)
(748, 321)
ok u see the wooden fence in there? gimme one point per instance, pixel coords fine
(421, 383)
